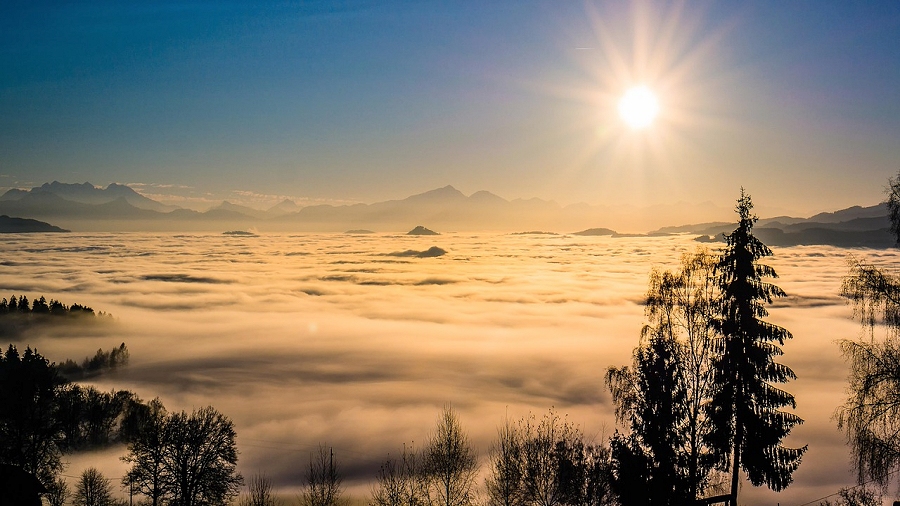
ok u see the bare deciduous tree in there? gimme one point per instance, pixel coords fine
(401, 481)
(57, 492)
(201, 457)
(259, 492)
(547, 463)
(450, 463)
(146, 454)
(323, 480)
(504, 483)
(93, 489)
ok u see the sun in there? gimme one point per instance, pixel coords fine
(638, 107)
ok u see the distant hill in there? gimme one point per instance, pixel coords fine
(420, 230)
(24, 225)
(596, 231)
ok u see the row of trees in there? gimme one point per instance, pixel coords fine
(40, 306)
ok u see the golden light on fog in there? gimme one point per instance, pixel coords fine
(639, 107)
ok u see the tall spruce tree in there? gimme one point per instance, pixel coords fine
(745, 408)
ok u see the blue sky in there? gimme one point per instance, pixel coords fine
(366, 101)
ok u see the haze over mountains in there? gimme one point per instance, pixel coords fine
(84, 207)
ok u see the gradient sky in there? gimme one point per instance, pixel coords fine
(357, 101)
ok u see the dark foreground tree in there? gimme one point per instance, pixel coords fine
(893, 205)
(30, 435)
(450, 464)
(57, 492)
(871, 414)
(323, 480)
(200, 458)
(662, 397)
(504, 483)
(147, 455)
(746, 408)
(93, 489)
(855, 496)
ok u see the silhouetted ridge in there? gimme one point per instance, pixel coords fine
(431, 252)
(9, 225)
(596, 231)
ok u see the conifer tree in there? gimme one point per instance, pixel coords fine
(745, 408)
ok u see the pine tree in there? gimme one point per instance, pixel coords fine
(745, 409)
(651, 399)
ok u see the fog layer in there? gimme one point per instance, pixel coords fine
(308, 339)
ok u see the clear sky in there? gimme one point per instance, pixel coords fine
(363, 101)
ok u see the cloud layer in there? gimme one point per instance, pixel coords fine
(308, 339)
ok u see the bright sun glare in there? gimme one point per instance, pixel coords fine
(638, 107)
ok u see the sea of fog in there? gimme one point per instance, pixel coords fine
(349, 341)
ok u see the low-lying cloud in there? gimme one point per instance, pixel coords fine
(309, 339)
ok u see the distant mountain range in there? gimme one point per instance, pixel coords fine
(852, 227)
(85, 207)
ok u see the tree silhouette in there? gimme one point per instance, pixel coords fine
(323, 480)
(504, 483)
(30, 436)
(662, 397)
(93, 489)
(57, 492)
(200, 458)
(745, 409)
(450, 463)
(259, 492)
(547, 463)
(893, 205)
(871, 414)
(651, 398)
(147, 453)
(401, 481)
(39, 306)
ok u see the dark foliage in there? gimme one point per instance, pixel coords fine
(18, 314)
(661, 399)
(93, 489)
(30, 435)
(656, 415)
(893, 205)
(92, 419)
(746, 409)
(101, 362)
(871, 412)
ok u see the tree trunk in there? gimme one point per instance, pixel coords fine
(736, 468)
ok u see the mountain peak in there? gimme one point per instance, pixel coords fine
(445, 193)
